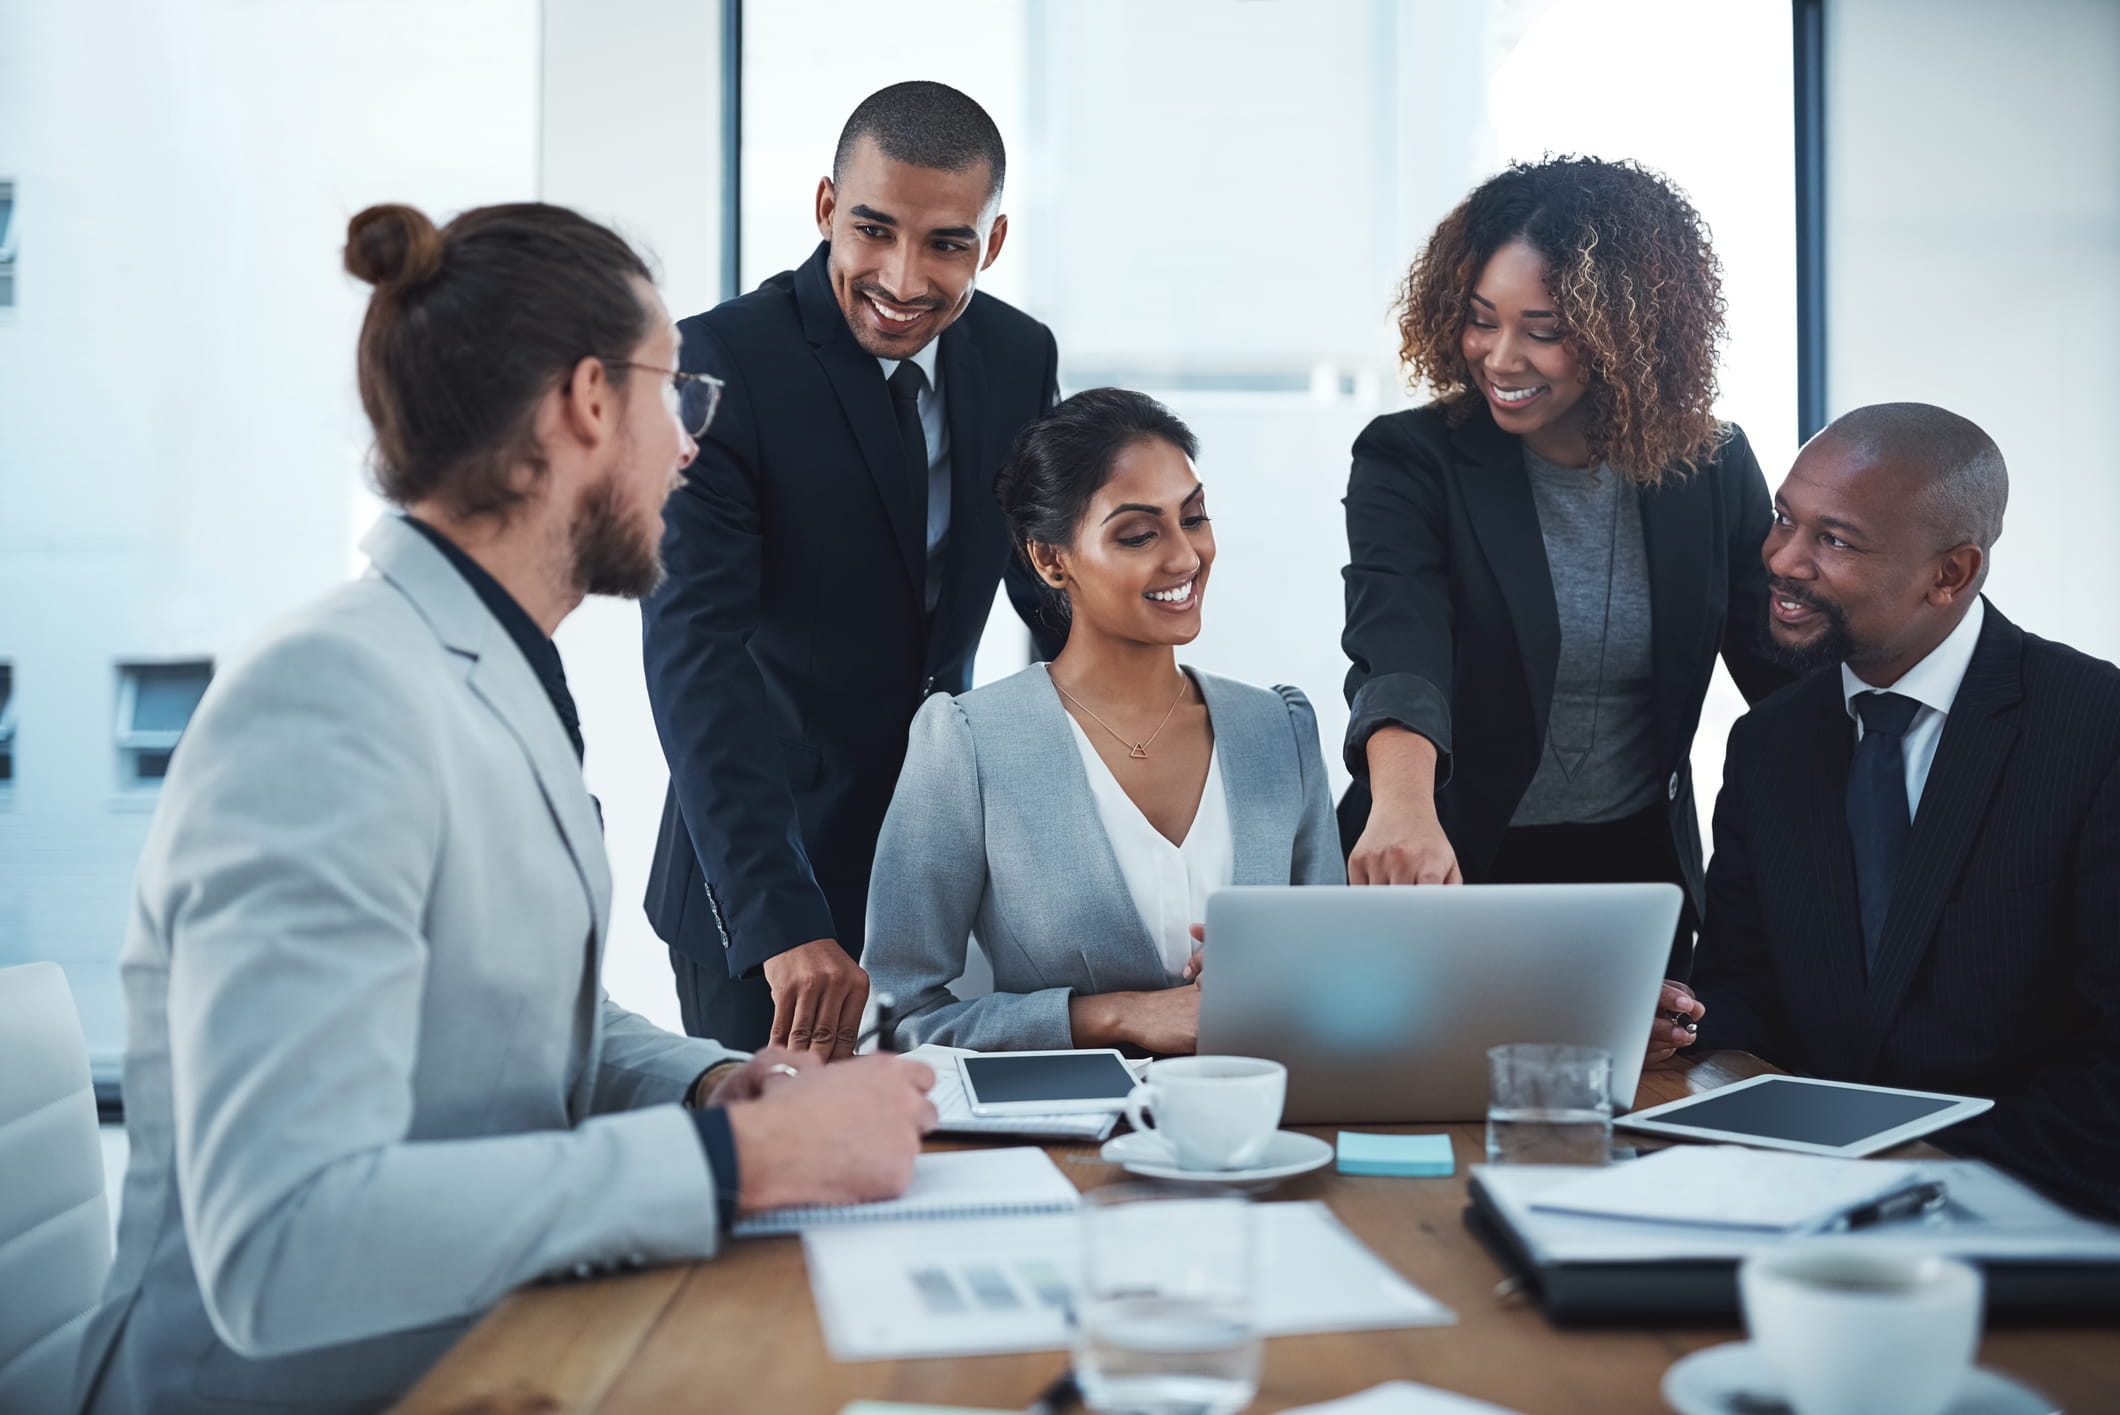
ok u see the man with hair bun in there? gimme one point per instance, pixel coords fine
(833, 555)
(372, 1081)
(1916, 879)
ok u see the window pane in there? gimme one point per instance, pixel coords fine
(165, 696)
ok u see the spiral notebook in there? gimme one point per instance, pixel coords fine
(952, 1184)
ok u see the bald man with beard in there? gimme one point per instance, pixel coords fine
(1916, 878)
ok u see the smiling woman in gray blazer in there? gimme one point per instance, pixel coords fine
(1072, 819)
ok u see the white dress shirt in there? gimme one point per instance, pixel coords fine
(1933, 683)
(936, 429)
(1169, 883)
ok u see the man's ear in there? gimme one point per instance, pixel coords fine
(1957, 573)
(588, 404)
(827, 202)
(994, 239)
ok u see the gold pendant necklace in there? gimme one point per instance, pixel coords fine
(1135, 749)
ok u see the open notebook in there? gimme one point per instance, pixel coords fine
(952, 1184)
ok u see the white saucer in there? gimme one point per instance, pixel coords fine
(1148, 1154)
(1709, 1382)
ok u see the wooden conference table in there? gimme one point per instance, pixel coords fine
(739, 1334)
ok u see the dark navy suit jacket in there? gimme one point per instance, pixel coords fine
(1999, 970)
(790, 647)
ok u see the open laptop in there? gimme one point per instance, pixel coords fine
(1382, 1001)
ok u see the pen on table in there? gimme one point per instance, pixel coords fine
(1058, 1396)
(1915, 1199)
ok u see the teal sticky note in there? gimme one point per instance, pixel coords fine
(1403, 1156)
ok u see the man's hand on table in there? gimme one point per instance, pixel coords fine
(1667, 1037)
(818, 994)
(843, 1134)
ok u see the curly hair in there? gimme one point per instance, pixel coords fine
(1633, 279)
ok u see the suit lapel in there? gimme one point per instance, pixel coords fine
(1824, 875)
(975, 519)
(1970, 756)
(497, 673)
(1497, 495)
(866, 401)
(1677, 533)
(1085, 857)
(1258, 783)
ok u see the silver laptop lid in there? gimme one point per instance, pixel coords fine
(1382, 1001)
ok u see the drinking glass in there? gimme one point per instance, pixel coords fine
(1549, 1104)
(1164, 1324)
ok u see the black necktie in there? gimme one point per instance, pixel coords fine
(906, 383)
(1878, 818)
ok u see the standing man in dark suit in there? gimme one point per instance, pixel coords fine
(1916, 878)
(833, 553)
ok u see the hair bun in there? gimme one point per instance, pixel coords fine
(393, 247)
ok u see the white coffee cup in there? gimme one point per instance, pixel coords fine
(1855, 1326)
(1215, 1112)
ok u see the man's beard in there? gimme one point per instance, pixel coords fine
(611, 557)
(1831, 646)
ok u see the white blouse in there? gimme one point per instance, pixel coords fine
(1169, 883)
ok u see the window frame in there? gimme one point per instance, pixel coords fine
(133, 743)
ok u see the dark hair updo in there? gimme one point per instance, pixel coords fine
(1059, 461)
(468, 327)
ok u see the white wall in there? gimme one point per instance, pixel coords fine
(630, 117)
(1973, 261)
(180, 442)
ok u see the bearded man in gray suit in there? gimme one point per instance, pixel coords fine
(373, 1082)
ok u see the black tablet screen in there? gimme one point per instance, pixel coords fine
(1786, 1108)
(1082, 1075)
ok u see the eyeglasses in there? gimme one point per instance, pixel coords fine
(691, 397)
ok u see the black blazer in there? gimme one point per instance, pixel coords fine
(1453, 630)
(790, 647)
(1999, 970)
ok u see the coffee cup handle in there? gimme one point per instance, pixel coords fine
(1139, 1100)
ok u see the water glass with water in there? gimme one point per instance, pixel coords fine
(1164, 1322)
(1549, 1105)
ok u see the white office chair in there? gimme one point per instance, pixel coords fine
(54, 1222)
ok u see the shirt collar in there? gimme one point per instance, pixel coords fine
(926, 358)
(1934, 681)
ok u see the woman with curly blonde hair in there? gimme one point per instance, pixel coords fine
(1546, 559)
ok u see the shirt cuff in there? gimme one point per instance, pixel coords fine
(719, 1142)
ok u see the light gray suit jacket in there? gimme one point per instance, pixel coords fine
(372, 1082)
(993, 834)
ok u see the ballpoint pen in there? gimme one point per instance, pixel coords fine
(882, 1031)
(1910, 1202)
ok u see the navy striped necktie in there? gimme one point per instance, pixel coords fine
(1878, 818)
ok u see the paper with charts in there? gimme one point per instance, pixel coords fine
(967, 1287)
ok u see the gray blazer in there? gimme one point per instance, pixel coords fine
(372, 1082)
(993, 834)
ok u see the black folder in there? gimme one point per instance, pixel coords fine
(1702, 1292)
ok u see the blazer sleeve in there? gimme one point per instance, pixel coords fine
(1750, 515)
(719, 734)
(292, 890)
(1733, 965)
(642, 1064)
(2062, 1131)
(931, 875)
(1399, 635)
(1317, 858)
